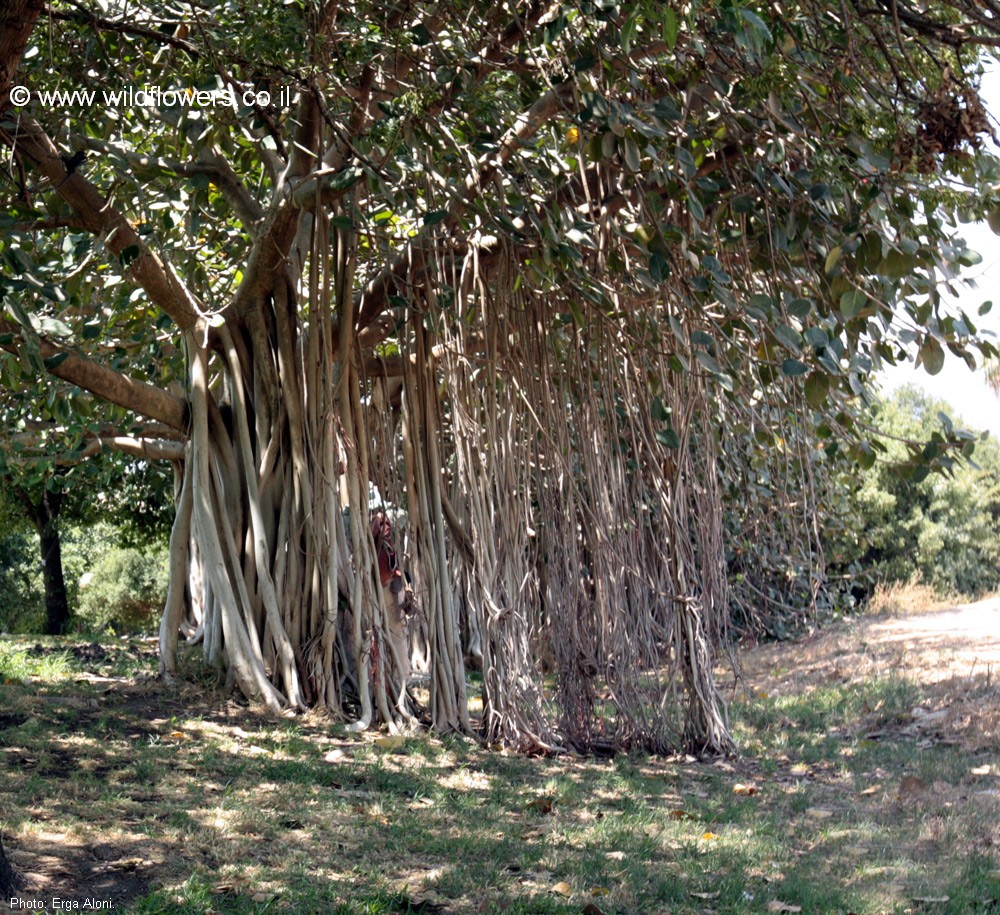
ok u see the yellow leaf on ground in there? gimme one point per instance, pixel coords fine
(394, 742)
(563, 888)
(745, 790)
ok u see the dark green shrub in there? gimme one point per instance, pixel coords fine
(22, 601)
(125, 590)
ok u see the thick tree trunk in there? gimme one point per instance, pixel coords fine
(44, 514)
(46, 519)
(10, 881)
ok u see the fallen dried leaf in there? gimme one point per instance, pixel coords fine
(745, 790)
(819, 813)
(591, 909)
(563, 888)
(544, 805)
(261, 896)
(776, 905)
(981, 770)
(681, 815)
(931, 900)
(704, 895)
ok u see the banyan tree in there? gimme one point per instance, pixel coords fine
(456, 318)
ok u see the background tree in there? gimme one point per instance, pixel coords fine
(906, 522)
(534, 270)
(53, 474)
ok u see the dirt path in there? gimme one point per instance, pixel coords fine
(952, 654)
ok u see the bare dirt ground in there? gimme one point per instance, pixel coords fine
(952, 654)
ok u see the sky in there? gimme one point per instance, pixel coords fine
(966, 391)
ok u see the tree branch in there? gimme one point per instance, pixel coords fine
(212, 165)
(17, 21)
(138, 396)
(98, 216)
(85, 17)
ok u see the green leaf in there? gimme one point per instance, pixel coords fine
(344, 179)
(694, 205)
(756, 23)
(51, 327)
(794, 367)
(932, 355)
(668, 438)
(659, 267)
(708, 362)
(800, 308)
(789, 337)
(993, 218)
(632, 157)
(852, 302)
(817, 337)
(831, 259)
(817, 388)
(432, 219)
(671, 26)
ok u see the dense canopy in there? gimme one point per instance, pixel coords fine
(547, 306)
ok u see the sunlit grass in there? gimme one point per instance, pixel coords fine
(249, 814)
(18, 665)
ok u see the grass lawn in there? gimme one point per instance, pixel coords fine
(866, 792)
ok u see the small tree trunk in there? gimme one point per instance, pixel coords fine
(45, 514)
(9, 879)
